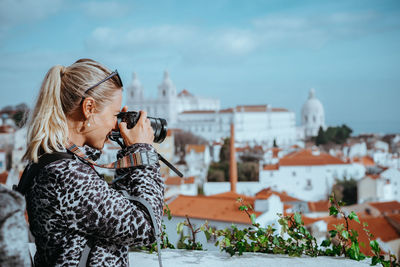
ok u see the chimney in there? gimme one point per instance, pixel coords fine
(233, 177)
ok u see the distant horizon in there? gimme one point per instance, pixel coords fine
(243, 53)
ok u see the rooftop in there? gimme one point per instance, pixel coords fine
(267, 192)
(306, 157)
(220, 207)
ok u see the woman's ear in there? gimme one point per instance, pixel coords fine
(88, 107)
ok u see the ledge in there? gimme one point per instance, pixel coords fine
(177, 257)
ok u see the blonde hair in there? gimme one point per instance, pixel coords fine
(61, 93)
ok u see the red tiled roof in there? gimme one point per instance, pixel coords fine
(386, 208)
(267, 192)
(209, 208)
(366, 161)
(233, 196)
(395, 217)
(378, 226)
(6, 129)
(251, 108)
(305, 157)
(279, 110)
(271, 167)
(196, 148)
(227, 110)
(318, 206)
(185, 92)
(176, 180)
(3, 177)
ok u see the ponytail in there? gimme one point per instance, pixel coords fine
(60, 96)
(47, 130)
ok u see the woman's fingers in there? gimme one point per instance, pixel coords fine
(142, 132)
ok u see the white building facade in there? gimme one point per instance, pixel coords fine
(204, 117)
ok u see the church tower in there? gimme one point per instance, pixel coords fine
(166, 90)
(167, 100)
(135, 93)
(312, 115)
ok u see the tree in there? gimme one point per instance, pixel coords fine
(274, 144)
(337, 135)
(225, 151)
(248, 171)
(183, 138)
(346, 191)
(321, 137)
(19, 118)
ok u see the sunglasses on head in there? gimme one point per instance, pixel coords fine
(113, 75)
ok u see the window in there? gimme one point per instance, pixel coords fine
(314, 119)
(308, 185)
(163, 92)
(271, 174)
(305, 119)
(294, 174)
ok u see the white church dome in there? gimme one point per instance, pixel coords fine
(312, 115)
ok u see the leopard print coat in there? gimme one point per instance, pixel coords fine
(70, 203)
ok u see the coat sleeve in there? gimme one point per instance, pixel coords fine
(144, 182)
(92, 208)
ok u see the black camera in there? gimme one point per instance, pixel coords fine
(159, 126)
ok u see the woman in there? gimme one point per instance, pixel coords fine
(68, 203)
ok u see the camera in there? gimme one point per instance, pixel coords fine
(159, 126)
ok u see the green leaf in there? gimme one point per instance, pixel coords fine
(253, 218)
(333, 210)
(227, 241)
(326, 243)
(375, 246)
(207, 234)
(375, 260)
(353, 216)
(179, 227)
(333, 233)
(297, 218)
(345, 234)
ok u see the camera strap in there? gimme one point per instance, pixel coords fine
(131, 160)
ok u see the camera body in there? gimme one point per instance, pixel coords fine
(159, 125)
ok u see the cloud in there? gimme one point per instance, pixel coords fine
(14, 12)
(190, 39)
(105, 9)
(318, 30)
(259, 35)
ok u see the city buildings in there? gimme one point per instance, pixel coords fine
(204, 117)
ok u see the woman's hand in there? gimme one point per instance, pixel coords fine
(141, 133)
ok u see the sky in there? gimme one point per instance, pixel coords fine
(241, 52)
